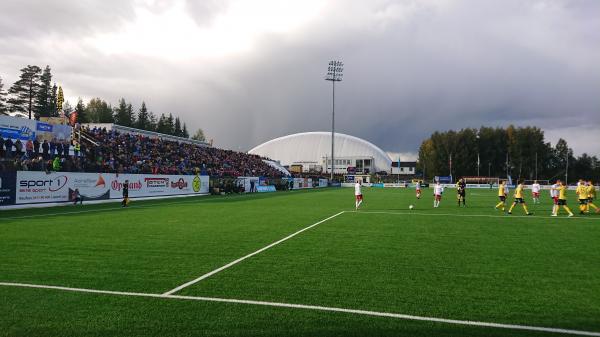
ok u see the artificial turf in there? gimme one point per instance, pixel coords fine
(449, 262)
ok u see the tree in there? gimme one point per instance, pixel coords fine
(99, 111)
(67, 108)
(199, 135)
(184, 132)
(3, 107)
(24, 91)
(153, 122)
(143, 118)
(80, 109)
(170, 125)
(177, 128)
(43, 104)
(123, 114)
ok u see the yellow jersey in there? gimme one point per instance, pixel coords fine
(591, 192)
(519, 191)
(562, 192)
(501, 192)
(582, 192)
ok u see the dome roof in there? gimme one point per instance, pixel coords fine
(313, 146)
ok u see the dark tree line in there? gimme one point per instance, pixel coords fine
(36, 95)
(520, 152)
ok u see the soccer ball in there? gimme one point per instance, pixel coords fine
(410, 207)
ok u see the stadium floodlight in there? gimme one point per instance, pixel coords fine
(334, 74)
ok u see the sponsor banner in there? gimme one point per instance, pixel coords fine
(35, 187)
(323, 182)
(7, 188)
(145, 185)
(91, 186)
(300, 183)
(29, 129)
(267, 188)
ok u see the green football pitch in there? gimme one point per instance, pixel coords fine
(300, 263)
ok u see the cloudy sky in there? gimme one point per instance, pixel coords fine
(248, 71)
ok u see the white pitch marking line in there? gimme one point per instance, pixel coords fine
(472, 215)
(232, 263)
(313, 307)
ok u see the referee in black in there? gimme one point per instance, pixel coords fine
(125, 194)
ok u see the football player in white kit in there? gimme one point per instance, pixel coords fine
(554, 196)
(535, 190)
(418, 189)
(437, 194)
(358, 194)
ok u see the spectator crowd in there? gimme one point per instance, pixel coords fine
(129, 153)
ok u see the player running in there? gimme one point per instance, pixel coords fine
(562, 199)
(438, 190)
(591, 191)
(535, 190)
(418, 189)
(502, 195)
(461, 191)
(582, 196)
(554, 196)
(519, 199)
(358, 194)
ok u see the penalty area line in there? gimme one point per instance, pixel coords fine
(313, 307)
(232, 263)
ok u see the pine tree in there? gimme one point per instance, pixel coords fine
(177, 128)
(143, 118)
(43, 100)
(130, 115)
(185, 132)
(24, 91)
(80, 108)
(153, 123)
(123, 113)
(170, 125)
(163, 125)
(3, 107)
(60, 100)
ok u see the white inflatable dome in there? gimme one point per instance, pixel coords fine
(314, 146)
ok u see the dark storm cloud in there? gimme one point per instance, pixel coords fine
(412, 67)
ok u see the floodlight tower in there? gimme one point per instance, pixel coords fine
(334, 74)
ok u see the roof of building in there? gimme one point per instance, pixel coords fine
(314, 146)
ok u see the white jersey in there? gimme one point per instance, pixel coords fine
(418, 186)
(535, 188)
(438, 189)
(357, 189)
(554, 191)
(506, 191)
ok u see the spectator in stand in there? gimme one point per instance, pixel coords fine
(8, 144)
(36, 146)
(45, 150)
(29, 148)
(56, 164)
(59, 149)
(52, 148)
(18, 148)
(66, 149)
